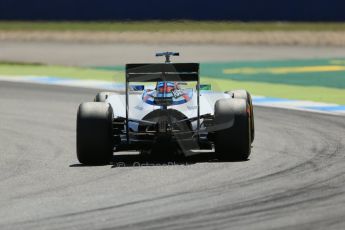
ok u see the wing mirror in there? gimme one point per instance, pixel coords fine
(205, 87)
(136, 87)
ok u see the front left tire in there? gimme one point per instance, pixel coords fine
(102, 96)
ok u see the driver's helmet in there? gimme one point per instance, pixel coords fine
(166, 88)
(169, 90)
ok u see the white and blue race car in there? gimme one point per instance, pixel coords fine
(164, 107)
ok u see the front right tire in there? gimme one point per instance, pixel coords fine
(94, 133)
(244, 94)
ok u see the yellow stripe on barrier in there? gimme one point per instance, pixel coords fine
(285, 70)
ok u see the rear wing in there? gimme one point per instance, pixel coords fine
(154, 72)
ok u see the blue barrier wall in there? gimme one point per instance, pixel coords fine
(243, 10)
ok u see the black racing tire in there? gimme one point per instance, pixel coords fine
(102, 96)
(243, 94)
(234, 142)
(94, 133)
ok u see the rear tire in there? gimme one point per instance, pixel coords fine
(233, 143)
(94, 133)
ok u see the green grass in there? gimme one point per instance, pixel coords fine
(328, 73)
(317, 94)
(320, 94)
(120, 26)
(16, 69)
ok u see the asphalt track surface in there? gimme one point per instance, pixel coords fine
(294, 179)
(98, 54)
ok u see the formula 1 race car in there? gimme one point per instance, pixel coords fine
(165, 107)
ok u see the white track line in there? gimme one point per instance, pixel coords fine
(257, 100)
